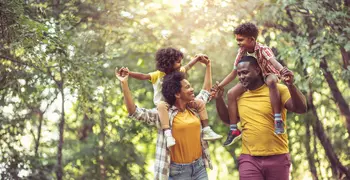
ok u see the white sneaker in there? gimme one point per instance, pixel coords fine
(170, 141)
(210, 135)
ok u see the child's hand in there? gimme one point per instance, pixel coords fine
(122, 74)
(287, 76)
(216, 91)
(202, 58)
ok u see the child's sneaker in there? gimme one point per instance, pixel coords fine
(210, 135)
(232, 137)
(170, 141)
(279, 127)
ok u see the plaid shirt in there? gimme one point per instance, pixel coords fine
(263, 54)
(162, 161)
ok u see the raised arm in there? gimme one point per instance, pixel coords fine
(150, 116)
(192, 62)
(297, 102)
(269, 55)
(139, 76)
(122, 76)
(207, 78)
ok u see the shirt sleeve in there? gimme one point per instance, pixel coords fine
(203, 95)
(285, 95)
(182, 69)
(149, 116)
(154, 76)
(238, 58)
(267, 53)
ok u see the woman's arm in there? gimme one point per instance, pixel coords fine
(122, 76)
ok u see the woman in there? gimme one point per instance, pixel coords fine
(189, 158)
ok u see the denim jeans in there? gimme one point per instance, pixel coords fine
(192, 171)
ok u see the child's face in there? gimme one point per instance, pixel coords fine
(244, 41)
(177, 64)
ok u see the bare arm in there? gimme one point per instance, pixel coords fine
(230, 77)
(221, 107)
(297, 102)
(191, 63)
(149, 116)
(122, 75)
(139, 76)
(207, 78)
(276, 64)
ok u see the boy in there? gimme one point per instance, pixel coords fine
(167, 61)
(246, 35)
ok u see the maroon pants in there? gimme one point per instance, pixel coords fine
(274, 167)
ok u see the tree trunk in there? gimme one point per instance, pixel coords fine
(37, 142)
(87, 127)
(59, 172)
(337, 167)
(337, 95)
(346, 60)
(102, 142)
(310, 155)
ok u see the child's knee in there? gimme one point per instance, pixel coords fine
(271, 80)
(233, 93)
(162, 105)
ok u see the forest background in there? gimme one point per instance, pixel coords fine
(61, 107)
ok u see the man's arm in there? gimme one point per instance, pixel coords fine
(221, 107)
(140, 76)
(297, 102)
(141, 114)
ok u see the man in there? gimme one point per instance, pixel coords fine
(265, 155)
(189, 157)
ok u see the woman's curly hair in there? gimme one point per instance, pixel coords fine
(166, 58)
(247, 29)
(172, 85)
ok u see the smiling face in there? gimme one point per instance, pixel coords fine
(187, 93)
(177, 64)
(249, 75)
(245, 42)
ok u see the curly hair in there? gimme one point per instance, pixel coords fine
(172, 85)
(166, 58)
(247, 29)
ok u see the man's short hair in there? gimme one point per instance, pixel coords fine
(172, 85)
(247, 29)
(252, 60)
(166, 58)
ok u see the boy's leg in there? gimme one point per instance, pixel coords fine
(208, 133)
(271, 80)
(234, 134)
(162, 108)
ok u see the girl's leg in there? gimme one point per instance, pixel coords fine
(208, 133)
(162, 108)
